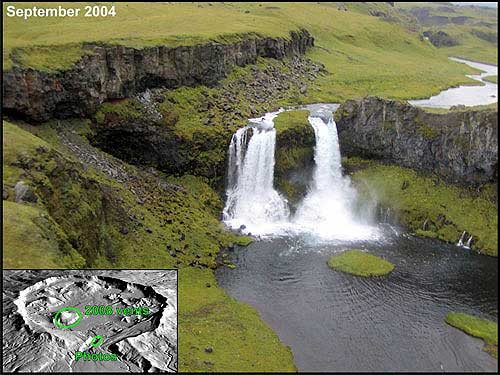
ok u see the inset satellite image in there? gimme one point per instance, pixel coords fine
(90, 320)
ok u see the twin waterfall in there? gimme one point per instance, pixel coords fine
(257, 208)
(251, 197)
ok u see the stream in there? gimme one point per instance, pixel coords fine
(334, 321)
(466, 95)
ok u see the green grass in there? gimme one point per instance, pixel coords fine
(291, 121)
(130, 109)
(244, 240)
(294, 141)
(294, 153)
(493, 79)
(208, 318)
(100, 207)
(449, 210)
(136, 25)
(50, 58)
(493, 106)
(470, 45)
(25, 148)
(76, 224)
(359, 263)
(477, 327)
(31, 240)
(363, 54)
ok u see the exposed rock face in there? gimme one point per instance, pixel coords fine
(440, 38)
(143, 140)
(113, 71)
(460, 146)
(145, 143)
(488, 36)
(24, 193)
(294, 158)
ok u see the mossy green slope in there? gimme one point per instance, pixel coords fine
(477, 327)
(294, 153)
(140, 223)
(79, 221)
(429, 206)
(359, 263)
(293, 121)
(32, 240)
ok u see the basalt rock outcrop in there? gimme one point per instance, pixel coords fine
(460, 146)
(114, 71)
(294, 155)
(175, 136)
(440, 38)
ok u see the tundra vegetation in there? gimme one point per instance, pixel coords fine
(477, 327)
(359, 263)
(68, 204)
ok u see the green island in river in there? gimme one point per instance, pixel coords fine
(116, 133)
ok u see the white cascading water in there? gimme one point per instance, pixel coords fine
(327, 209)
(251, 198)
(252, 201)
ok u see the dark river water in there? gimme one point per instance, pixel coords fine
(339, 322)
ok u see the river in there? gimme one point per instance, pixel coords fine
(339, 322)
(334, 321)
(467, 95)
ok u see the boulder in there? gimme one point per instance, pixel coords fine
(24, 193)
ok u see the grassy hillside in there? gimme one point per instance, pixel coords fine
(477, 327)
(473, 28)
(362, 53)
(445, 210)
(84, 219)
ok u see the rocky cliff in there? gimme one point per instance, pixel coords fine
(114, 71)
(188, 130)
(460, 146)
(294, 155)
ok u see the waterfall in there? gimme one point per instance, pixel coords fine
(469, 242)
(327, 209)
(236, 155)
(461, 240)
(253, 204)
(252, 200)
(462, 243)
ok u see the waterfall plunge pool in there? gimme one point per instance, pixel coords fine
(335, 321)
(339, 322)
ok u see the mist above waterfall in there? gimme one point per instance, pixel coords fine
(327, 210)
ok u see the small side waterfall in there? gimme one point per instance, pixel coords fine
(461, 240)
(236, 155)
(251, 198)
(462, 243)
(326, 211)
